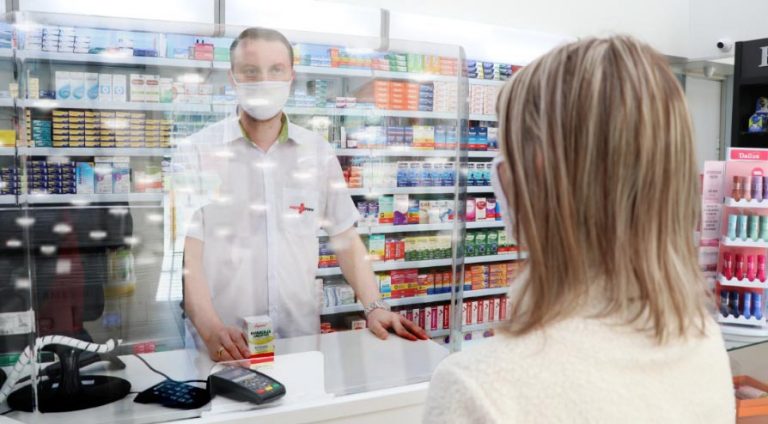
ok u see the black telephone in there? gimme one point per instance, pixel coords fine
(246, 385)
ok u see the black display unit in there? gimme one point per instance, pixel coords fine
(750, 82)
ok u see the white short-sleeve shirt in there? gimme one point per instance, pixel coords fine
(260, 230)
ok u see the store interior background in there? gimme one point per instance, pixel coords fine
(496, 30)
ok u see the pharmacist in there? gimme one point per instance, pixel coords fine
(253, 249)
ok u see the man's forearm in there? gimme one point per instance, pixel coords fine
(357, 270)
(197, 297)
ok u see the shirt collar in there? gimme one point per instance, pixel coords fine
(284, 134)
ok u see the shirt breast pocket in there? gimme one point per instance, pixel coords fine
(300, 211)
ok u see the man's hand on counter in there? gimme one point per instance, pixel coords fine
(381, 321)
(226, 344)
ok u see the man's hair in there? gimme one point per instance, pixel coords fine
(257, 33)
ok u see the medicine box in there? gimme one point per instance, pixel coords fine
(85, 177)
(260, 336)
(400, 209)
(105, 87)
(103, 172)
(136, 88)
(91, 85)
(63, 85)
(119, 88)
(77, 79)
(121, 175)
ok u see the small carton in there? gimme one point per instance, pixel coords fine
(77, 79)
(85, 177)
(103, 173)
(261, 339)
(136, 92)
(91, 85)
(63, 85)
(400, 214)
(119, 88)
(105, 87)
(121, 175)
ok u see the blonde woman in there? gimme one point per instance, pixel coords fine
(609, 322)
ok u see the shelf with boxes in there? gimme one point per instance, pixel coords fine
(67, 128)
(416, 300)
(115, 58)
(103, 179)
(94, 151)
(99, 105)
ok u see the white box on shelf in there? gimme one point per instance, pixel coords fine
(121, 174)
(63, 85)
(119, 88)
(136, 89)
(151, 88)
(91, 85)
(78, 85)
(105, 87)
(103, 170)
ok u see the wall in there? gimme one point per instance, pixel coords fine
(662, 23)
(703, 97)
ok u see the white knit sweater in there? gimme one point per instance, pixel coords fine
(585, 371)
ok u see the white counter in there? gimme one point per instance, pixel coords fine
(339, 377)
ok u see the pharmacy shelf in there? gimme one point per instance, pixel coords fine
(113, 59)
(417, 300)
(90, 198)
(494, 258)
(374, 192)
(323, 70)
(390, 266)
(414, 76)
(6, 102)
(752, 204)
(484, 224)
(100, 151)
(730, 319)
(412, 228)
(477, 117)
(7, 151)
(484, 154)
(464, 329)
(477, 81)
(7, 199)
(360, 111)
(733, 282)
(480, 189)
(97, 105)
(725, 241)
(395, 152)
(6, 53)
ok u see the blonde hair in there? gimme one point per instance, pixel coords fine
(601, 175)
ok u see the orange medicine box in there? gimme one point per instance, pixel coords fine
(750, 407)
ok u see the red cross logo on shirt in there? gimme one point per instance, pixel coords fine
(301, 208)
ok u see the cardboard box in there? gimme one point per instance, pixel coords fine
(119, 89)
(63, 85)
(105, 87)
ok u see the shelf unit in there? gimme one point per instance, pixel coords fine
(494, 258)
(751, 204)
(360, 111)
(484, 224)
(464, 329)
(725, 241)
(7, 151)
(375, 191)
(98, 105)
(417, 300)
(98, 151)
(413, 228)
(390, 152)
(488, 118)
(112, 59)
(477, 81)
(733, 282)
(483, 154)
(479, 189)
(90, 198)
(7, 102)
(7, 199)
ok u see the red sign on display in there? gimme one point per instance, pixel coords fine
(749, 154)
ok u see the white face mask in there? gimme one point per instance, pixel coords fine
(264, 99)
(505, 207)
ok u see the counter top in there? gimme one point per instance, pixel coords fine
(323, 375)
